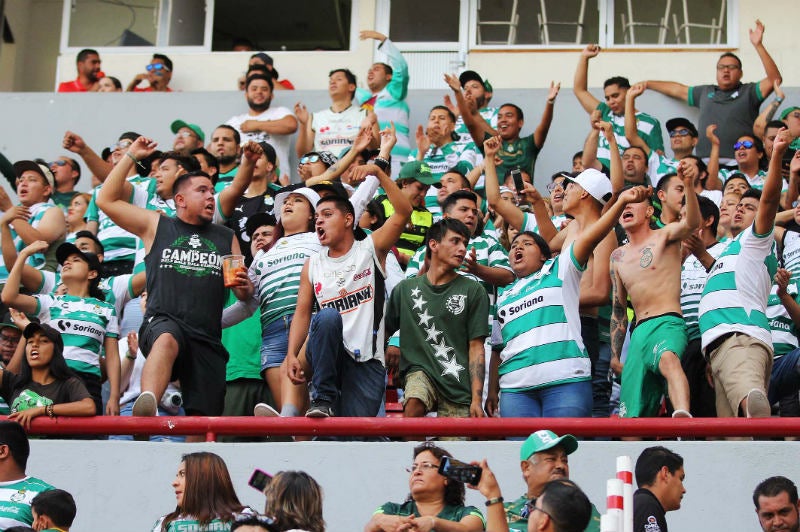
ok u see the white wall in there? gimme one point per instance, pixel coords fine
(126, 485)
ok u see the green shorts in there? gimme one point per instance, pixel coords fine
(642, 384)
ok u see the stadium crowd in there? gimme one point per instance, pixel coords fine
(209, 278)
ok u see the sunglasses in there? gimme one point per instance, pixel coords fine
(746, 144)
(157, 66)
(683, 132)
(551, 187)
(305, 159)
(121, 145)
(60, 162)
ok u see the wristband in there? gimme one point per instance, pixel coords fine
(778, 99)
(381, 163)
(129, 357)
(551, 102)
(49, 411)
(494, 500)
(132, 157)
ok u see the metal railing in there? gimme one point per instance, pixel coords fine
(489, 428)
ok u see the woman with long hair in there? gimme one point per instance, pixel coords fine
(204, 495)
(44, 385)
(432, 501)
(294, 501)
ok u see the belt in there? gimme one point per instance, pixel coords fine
(715, 344)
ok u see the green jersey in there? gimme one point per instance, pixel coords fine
(449, 513)
(15, 501)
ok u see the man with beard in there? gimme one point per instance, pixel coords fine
(224, 146)
(88, 64)
(477, 92)
(776, 504)
(261, 123)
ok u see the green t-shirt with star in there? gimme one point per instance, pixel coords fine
(436, 324)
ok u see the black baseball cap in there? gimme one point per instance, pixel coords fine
(675, 123)
(269, 151)
(471, 75)
(67, 249)
(54, 336)
(256, 221)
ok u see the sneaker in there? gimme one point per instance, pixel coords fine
(264, 410)
(757, 404)
(145, 405)
(319, 410)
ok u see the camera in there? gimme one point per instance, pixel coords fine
(172, 401)
(459, 471)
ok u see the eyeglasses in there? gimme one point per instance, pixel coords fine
(309, 159)
(747, 144)
(727, 67)
(552, 187)
(157, 67)
(4, 339)
(425, 466)
(683, 132)
(121, 145)
(60, 162)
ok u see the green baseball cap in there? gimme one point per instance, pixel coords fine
(541, 440)
(786, 112)
(420, 171)
(178, 124)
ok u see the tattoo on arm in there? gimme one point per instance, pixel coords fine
(619, 316)
(477, 368)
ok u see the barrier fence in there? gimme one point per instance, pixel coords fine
(482, 428)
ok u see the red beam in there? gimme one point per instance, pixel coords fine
(417, 427)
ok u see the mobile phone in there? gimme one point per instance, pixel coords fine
(459, 471)
(516, 175)
(259, 480)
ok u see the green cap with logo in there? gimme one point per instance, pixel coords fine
(420, 171)
(542, 440)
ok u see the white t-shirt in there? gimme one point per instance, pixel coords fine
(279, 142)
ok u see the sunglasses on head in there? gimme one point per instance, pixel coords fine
(305, 159)
(683, 132)
(747, 144)
(157, 67)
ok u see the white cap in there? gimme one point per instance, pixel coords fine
(306, 192)
(595, 183)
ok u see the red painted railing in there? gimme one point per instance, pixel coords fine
(211, 427)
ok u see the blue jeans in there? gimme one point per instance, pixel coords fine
(573, 399)
(785, 377)
(355, 389)
(275, 342)
(127, 410)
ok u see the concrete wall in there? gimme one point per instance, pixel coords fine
(127, 484)
(35, 123)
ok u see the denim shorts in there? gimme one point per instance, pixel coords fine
(275, 342)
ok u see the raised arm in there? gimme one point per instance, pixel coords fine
(713, 182)
(540, 134)
(591, 236)
(32, 278)
(251, 153)
(10, 294)
(362, 141)
(631, 131)
(760, 124)
(386, 237)
(580, 83)
(112, 200)
(305, 135)
(475, 123)
(672, 89)
(794, 181)
(615, 169)
(770, 68)
(589, 157)
(687, 224)
(771, 193)
(512, 214)
(75, 143)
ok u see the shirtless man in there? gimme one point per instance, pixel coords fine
(648, 269)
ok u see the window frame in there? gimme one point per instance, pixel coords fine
(606, 38)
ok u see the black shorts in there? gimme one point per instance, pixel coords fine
(200, 365)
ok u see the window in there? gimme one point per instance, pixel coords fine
(265, 24)
(608, 22)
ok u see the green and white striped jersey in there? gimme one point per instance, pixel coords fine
(440, 160)
(734, 299)
(37, 260)
(541, 328)
(15, 501)
(649, 129)
(84, 323)
(693, 279)
(118, 244)
(276, 274)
